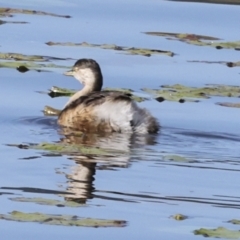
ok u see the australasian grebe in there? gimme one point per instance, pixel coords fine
(93, 110)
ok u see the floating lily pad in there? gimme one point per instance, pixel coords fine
(183, 93)
(68, 149)
(32, 58)
(129, 50)
(63, 220)
(26, 66)
(14, 22)
(179, 217)
(175, 158)
(30, 158)
(233, 64)
(229, 104)
(235, 221)
(50, 111)
(220, 232)
(199, 40)
(183, 36)
(57, 92)
(9, 11)
(229, 64)
(50, 202)
(22, 69)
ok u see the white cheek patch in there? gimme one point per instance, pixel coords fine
(85, 76)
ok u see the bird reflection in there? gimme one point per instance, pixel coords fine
(80, 182)
(119, 149)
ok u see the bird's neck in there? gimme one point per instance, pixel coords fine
(83, 92)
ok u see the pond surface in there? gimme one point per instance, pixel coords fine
(191, 167)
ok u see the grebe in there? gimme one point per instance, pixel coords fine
(93, 110)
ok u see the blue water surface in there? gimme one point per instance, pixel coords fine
(146, 185)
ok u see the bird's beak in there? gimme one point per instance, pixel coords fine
(69, 73)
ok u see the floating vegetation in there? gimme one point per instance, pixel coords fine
(58, 92)
(235, 221)
(176, 158)
(183, 93)
(31, 58)
(179, 217)
(22, 69)
(182, 36)
(233, 64)
(68, 149)
(49, 202)
(177, 92)
(15, 22)
(219, 232)
(26, 66)
(7, 12)
(229, 64)
(63, 220)
(24, 63)
(198, 40)
(129, 50)
(228, 104)
(50, 111)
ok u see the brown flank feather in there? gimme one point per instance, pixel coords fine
(78, 114)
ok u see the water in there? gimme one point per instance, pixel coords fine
(191, 167)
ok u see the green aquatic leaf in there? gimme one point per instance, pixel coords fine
(165, 94)
(57, 92)
(183, 36)
(229, 64)
(49, 202)
(14, 22)
(233, 64)
(22, 69)
(69, 149)
(219, 45)
(29, 66)
(183, 93)
(198, 40)
(128, 50)
(124, 90)
(219, 232)
(176, 158)
(228, 104)
(50, 111)
(9, 11)
(31, 58)
(179, 217)
(235, 221)
(63, 220)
